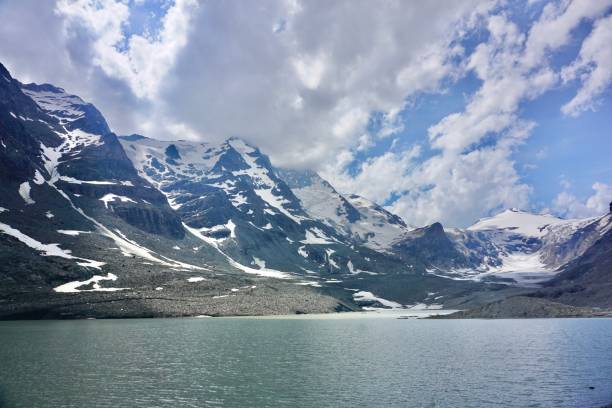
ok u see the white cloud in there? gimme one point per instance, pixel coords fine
(458, 190)
(506, 83)
(305, 93)
(301, 80)
(556, 24)
(310, 70)
(467, 179)
(379, 177)
(143, 61)
(568, 205)
(593, 67)
(455, 189)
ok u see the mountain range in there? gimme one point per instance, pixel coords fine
(98, 225)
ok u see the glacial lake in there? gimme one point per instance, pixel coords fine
(313, 361)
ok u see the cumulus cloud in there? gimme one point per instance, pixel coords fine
(37, 47)
(474, 171)
(304, 79)
(141, 60)
(556, 24)
(307, 92)
(593, 67)
(568, 205)
(456, 189)
(379, 177)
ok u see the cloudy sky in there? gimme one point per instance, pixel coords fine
(441, 110)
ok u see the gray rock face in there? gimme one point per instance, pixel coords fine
(71, 201)
(587, 279)
(432, 245)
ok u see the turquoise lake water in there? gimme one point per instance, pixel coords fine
(307, 362)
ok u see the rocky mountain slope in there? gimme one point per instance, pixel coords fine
(79, 226)
(587, 279)
(92, 224)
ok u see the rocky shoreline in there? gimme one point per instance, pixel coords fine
(523, 307)
(255, 300)
(269, 300)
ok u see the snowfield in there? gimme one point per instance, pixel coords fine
(522, 245)
(519, 222)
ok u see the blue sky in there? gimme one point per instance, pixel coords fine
(442, 111)
(573, 149)
(563, 154)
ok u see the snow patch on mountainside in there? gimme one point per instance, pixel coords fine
(264, 185)
(73, 287)
(315, 236)
(370, 298)
(302, 251)
(109, 198)
(377, 228)
(259, 262)
(38, 178)
(354, 271)
(58, 103)
(72, 180)
(72, 233)
(24, 192)
(129, 248)
(264, 272)
(47, 249)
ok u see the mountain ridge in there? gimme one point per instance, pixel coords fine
(89, 214)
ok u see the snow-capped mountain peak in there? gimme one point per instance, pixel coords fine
(524, 246)
(70, 110)
(55, 101)
(360, 220)
(520, 222)
(188, 172)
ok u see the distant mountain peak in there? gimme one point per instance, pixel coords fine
(520, 221)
